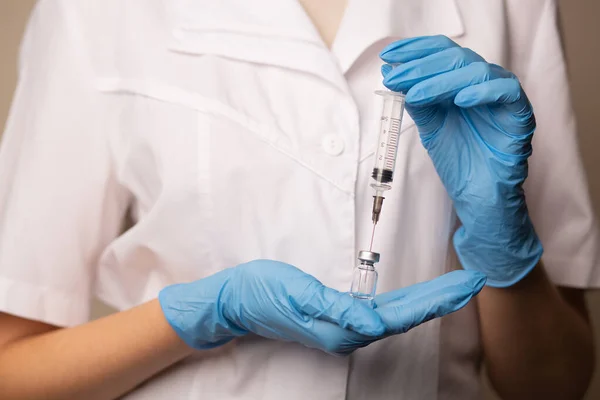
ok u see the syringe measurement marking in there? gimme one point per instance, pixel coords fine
(392, 143)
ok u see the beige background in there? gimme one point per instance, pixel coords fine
(582, 42)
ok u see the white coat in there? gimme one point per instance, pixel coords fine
(231, 132)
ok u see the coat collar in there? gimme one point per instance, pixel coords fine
(279, 32)
(367, 22)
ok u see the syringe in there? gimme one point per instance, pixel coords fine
(387, 149)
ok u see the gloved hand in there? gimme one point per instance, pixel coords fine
(476, 123)
(278, 301)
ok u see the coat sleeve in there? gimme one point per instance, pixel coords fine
(60, 203)
(556, 190)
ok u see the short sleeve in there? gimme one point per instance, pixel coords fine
(60, 203)
(556, 190)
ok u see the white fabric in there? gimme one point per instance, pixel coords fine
(232, 133)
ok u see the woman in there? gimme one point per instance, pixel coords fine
(233, 132)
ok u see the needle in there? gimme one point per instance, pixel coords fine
(372, 237)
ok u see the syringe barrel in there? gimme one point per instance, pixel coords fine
(390, 123)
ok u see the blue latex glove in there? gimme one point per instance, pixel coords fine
(476, 123)
(278, 301)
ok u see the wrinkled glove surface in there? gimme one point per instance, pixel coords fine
(476, 123)
(278, 301)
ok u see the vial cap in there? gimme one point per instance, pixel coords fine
(368, 256)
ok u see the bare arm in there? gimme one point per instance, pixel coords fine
(537, 339)
(102, 359)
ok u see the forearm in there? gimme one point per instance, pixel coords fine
(536, 345)
(99, 360)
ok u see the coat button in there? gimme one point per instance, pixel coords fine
(333, 145)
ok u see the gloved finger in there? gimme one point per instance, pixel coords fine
(506, 91)
(503, 90)
(327, 304)
(338, 341)
(386, 69)
(436, 298)
(414, 48)
(446, 86)
(454, 278)
(508, 94)
(405, 76)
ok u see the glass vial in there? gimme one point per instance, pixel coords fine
(364, 277)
